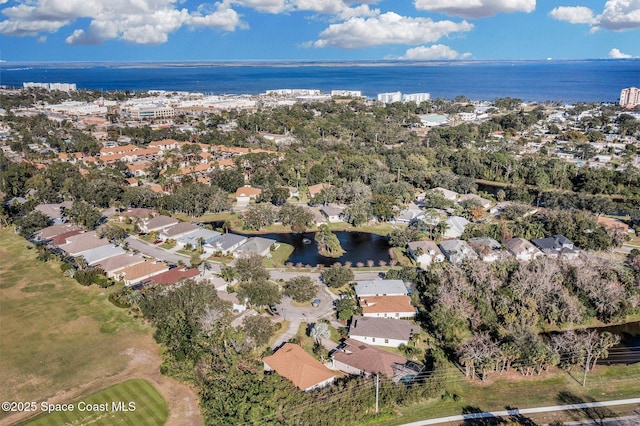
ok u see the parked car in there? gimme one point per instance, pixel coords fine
(315, 303)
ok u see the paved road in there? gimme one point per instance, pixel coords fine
(535, 410)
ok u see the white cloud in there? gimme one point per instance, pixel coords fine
(136, 21)
(617, 15)
(268, 6)
(436, 51)
(617, 54)
(574, 15)
(476, 8)
(387, 28)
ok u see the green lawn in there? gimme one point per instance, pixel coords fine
(556, 388)
(57, 335)
(144, 405)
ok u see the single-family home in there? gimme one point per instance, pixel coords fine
(136, 213)
(358, 358)
(611, 224)
(256, 245)
(174, 275)
(457, 251)
(101, 253)
(382, 331)
(446, 193)
(316, 189)
(55, 212)
(77, 244)
(157, 223)
(380, 288)
(332, 212)
(407, 216)
(176, 231)
(473, 198)
(200, 236)
(455, 226)
(139, 272)
(425, 252)
(522, 249)
(112, 265)
(50, 232)
(303, 370)
(246, 193)
(387, 306)
(556, 246)
(227, 243)
(487, 248)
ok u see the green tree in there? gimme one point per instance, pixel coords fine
(250, 268)
(328, 243)
(32, 222)
(345, 308)
(337, 275)
(259, 329)
(84, 214)
(301, 289)
(259, 292)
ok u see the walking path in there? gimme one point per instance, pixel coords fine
(516, 412)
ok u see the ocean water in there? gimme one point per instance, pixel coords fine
(565, 81)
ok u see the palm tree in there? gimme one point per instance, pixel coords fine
(228, 273)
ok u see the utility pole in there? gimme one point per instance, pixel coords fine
(377, 390)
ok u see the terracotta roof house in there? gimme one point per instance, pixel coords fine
(50, 232)
(522, 249)
(58, 240)
(387, 306)
(174, 275)
(425, 252)
(134, 274)
(245, 194)
(355, 357)
(303, 370)
(381, 331)
(457, 251)
(556, 246)
(316, 189)
(612, 224)
(380, 288)
(77, 244)
(157, 223)
(116, 263)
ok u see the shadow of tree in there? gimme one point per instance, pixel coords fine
(597, 414)
(519, 419)
(479, 421)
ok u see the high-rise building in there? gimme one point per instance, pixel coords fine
(388, 98)
(630, 97)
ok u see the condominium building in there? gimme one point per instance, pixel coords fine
(390, 97)
(416, 97)
(630, 97)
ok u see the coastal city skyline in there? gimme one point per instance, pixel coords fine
(164, 30)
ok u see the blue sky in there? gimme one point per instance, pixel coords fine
(188, 30)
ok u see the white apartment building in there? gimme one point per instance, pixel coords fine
(390, 97)
(630, 97)
(416, 97)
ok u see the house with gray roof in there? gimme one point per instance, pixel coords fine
(380, 288)
(425, 252)
(206, 236)
(382, 331)
(332, 212)
(456, 226)
(227, 243)
(178, 230)
(358, 358)
(407, 216)
(50, 232)
(446, 193)
(457, 251)
(522, 249)
(256, 245)
(556, 246)
(101, 253)
(482, 202)
(487, 248)
(157, 223)
(55, 212)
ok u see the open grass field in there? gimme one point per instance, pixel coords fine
(144, 407)
(554, 388)
(60, 341)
